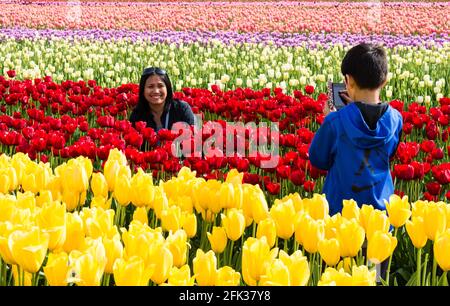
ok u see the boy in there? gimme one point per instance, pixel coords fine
(355, 144)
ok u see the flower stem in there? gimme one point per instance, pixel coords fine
(433, 275)
(419, 259)
(388, 272)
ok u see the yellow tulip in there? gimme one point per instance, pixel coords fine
(52, 220)
(398, 210)
(227, 276)
(364, 215)
(74, 177)
(333, 277)
(329, 250)
(317, 206)
(234, 177)
(4, 183)
(180, 277)
(56, 269)
(434, 220)
(227, 197)
(234, 223)
(110, 171)
(171, 219)
(283, 213)
(98, 222)
(28, 248)
(418, 208)
(350, 209)
(141, 214)
(190, 225)
(74, 233)
(441, 249)
(298, 267)
(380, 246)
(143, 190)
(314, 232)
(300, 223)
(332, 224)
(29, 183)
(160, 202)
(416, 232)
(378, 221)
(162, 258)
(351, 237)
(132, 272)
(122, 190)
(113, 250)
(276, 274)
(71, 199)
(361, 276)
(205, 268)
(6, 228)
(99, 185)
(297, 200)
(258, 204)
(255, 255)
(177, 244)
(268, 229)
(87, 267)
(218, 239)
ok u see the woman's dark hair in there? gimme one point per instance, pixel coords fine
(367, 64)
(148, 72)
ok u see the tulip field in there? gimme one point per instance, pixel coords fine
(88, 199)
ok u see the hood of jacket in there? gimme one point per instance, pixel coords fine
(360, 134)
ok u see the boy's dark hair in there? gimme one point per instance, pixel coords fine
(367, 64)
(148, 72)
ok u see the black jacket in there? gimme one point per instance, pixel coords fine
(178, 111)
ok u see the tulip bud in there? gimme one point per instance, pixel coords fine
(350, 209)
(380, 246)
(141, 214)
(205, 268)
(416, 232)
(378, 221)
(99, 185)
(441, 250)
(398, 210)
(218, 239)
(329, 250)
(177, 244)
(234, 223)
(268, 229)
(190, 225)
(283, 213)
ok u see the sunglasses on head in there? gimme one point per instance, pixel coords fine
(156, 70)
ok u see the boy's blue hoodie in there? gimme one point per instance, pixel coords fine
(356, 157)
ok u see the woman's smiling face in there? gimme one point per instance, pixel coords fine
(155, 91)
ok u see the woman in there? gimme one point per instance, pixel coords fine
(156, 105)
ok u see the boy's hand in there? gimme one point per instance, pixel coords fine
(329, 107)
(345, 97)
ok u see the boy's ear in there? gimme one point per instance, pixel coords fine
(350, 81)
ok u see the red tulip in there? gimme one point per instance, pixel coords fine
(433, 188)
(309, 89)
(11, 73)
